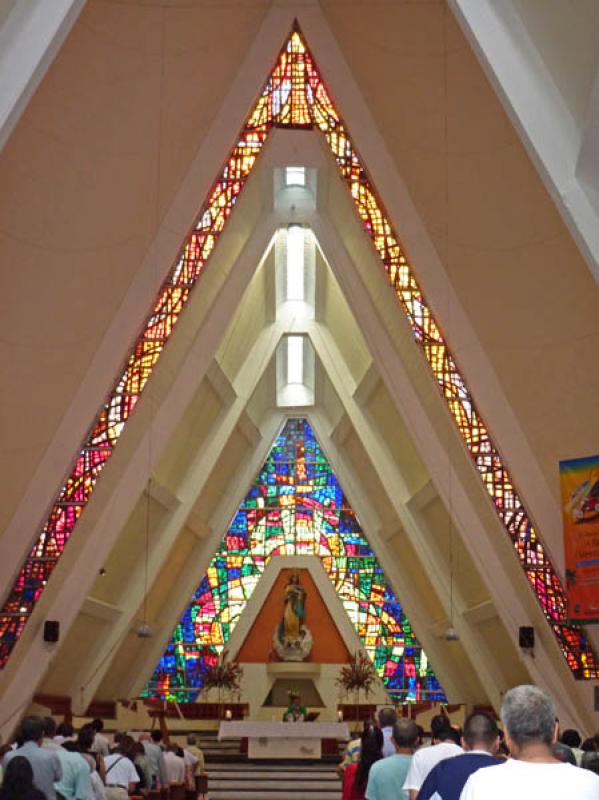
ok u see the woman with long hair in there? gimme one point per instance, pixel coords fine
(355, 777)
(18, 781)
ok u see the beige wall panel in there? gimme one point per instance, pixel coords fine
(342, 325)
(83, 183)
(191, 432)
(247, 323)
(170, 572)
(509, 660)
(467, 578)
(394, 435)
(128, 555)
(61, 679)
(354, 451)
(566, 36)
(510, 256)
(233, 455)
(427, 598)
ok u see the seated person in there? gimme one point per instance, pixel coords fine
(295, 712)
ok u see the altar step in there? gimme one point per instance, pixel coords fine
(273, 781)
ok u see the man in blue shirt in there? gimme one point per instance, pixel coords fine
(387, 776)
(480, 741)
(44, 763)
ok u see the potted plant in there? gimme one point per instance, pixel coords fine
(224, 676)
(357, 676)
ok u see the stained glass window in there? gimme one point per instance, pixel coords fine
(294, 96)
(295, 507)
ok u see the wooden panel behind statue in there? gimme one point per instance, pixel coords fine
(292, 639)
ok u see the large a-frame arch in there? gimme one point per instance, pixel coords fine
(249, 257)
(294, 96)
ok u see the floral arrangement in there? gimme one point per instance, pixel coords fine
(223, 675)
(358, 675)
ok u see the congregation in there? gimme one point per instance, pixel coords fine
(390, 760)
(480, 762)
(50, 762)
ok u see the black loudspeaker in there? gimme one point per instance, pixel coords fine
(526, 637)
(51, 630)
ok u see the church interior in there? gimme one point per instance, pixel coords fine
(299, 318)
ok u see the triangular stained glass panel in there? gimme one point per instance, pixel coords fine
(295, 507)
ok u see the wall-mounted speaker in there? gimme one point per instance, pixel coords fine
(526, 637)
(51, 630)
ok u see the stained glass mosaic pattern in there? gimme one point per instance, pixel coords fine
(294, 96)
(295, 507)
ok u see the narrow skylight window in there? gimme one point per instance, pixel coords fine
(295, 262)
(295, 359)
(295, 176)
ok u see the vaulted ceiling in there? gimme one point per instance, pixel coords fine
(100, 182)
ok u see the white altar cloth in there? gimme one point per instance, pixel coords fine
(283, 739)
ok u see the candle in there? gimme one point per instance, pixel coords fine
(228, 714)
(340, 716)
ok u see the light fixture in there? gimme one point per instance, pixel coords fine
(451, 634)
(144, 631)
(295, 176)
(295, 359)
(295, 262)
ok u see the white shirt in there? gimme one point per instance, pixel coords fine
(521, 780)
(425, 759)
(189, 759)
(98, 786)
(100, 745)
(175, 767)
(122, 773)
(388, 746)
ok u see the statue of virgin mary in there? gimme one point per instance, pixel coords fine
(292, 639)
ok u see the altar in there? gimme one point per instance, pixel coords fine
(284, 739)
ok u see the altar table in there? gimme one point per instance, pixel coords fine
(283, 739)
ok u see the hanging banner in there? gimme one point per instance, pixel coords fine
(580, 507)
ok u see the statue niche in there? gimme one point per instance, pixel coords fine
(292, 639)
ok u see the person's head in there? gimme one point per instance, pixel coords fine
(367, 724)
(49, 727)
(156, 736)
(439, 722)
(137, 749)
(126, 745)
(97, 725)
(589, 745)
(192, 739)
(71, 746)
(405, 734)
(563, 753)
(448, 734)
(590, 761)
(117, 738)
(295, 700)
(18, 777)
(371, 750)
(528, 716)
(31, 729)
(86, 737)
(65, 729)
(172, 747)
(571, 738)
(387, 717)
(480, 732)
